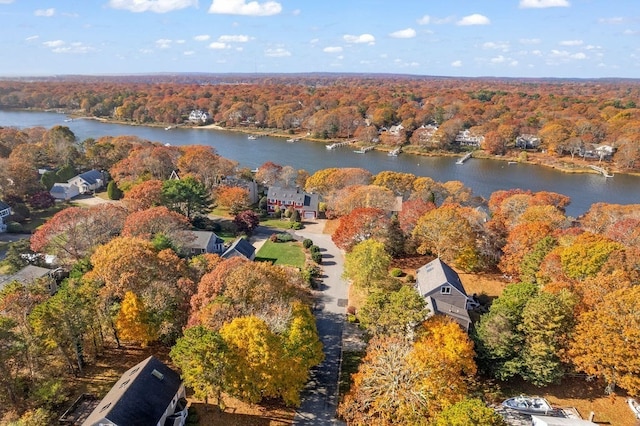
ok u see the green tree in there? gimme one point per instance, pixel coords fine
(19, 255)
(392, 313)
(188, 196)
(469, 412)
(367, 264)
(113, 192)
(201, 356)
(11, 352)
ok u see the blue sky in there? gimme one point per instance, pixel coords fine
(471, 38)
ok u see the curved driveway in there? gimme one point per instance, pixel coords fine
(320, 397)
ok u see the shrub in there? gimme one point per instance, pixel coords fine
(316, 256)
(314, 249)
(306, 243)
(284, 237)
(273, 238)
(296, 225)
(113, 192)
(295, 216)
(352, 318)
(410, 278)
(396, 272)
(351, 310)
(14, 228)
(21, 210)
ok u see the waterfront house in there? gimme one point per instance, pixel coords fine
(204, 242)
(466, 138)
(88, 182)
(199, 116)
(5, 211)
(149, 393)
(240, 248)
(305, 203)
(527, 141)
(443, 292)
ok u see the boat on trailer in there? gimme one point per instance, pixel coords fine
(528, 404)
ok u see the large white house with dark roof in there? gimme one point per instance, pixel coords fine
(80, 184)
(443, 292)
(149, 393)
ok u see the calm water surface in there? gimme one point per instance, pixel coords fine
(482, 176)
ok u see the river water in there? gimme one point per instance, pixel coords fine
(482, 176)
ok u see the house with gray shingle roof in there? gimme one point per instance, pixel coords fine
(240, 248)
(443, 292)
(88, 181)
(204, 242)
(149, 393)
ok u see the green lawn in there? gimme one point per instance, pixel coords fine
(277, 223)
(282, 253)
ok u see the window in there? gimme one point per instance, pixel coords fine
(445, 289)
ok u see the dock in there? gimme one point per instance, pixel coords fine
(601, 170)
(465, 158)
(364, 150)
(339, 144)
(293, 140)
(395, 152)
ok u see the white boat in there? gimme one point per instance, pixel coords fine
(252, 137)
(528, 404)
(394, 153)
(168, 128)
(292, 140)
(68, 120)
(635, 407)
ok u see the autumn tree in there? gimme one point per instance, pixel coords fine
(149, 223)
(401, 184)
(246, 222)
(205, 164)
(328, 181)
(359, 225)
(133, 321)
(75, 232)
(607, 341)
(201, 356)
(353, 197)
(469, 412)
(144, 195)
(446, 233)
(233, 198)
(367, 264)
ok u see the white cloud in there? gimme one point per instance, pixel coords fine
(32, 38)
(241, 7)
(332, 49)
(163, 43)
(54, 43)
(630, 32)
(498, 59)
(571, 43)
(615, 20)
(202, 37)
(218, 46)
(45, 12)
(233, 38)
(157, 6)
(75, 48)
(362, 38)
(500, 45)
(278, 52)
(181, 41)
(425, 20)
(578, 55)
(530, 41)
(513, 63)
(456, 64)
(6, 1)
(406, 33)
(314, 41)
(189, 52)
(475, 19)
(541, 4)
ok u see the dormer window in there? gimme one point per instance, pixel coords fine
(445, 289)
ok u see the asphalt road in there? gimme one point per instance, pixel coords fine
(320, 397)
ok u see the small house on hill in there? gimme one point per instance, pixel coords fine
(443, 292)
(240, 248)
(149, 393)
(5, 210)
(204, 242)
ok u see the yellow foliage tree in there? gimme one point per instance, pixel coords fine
(133, 321)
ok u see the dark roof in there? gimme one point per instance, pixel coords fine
(140, 397)
(4, 206)
(26, 275)
(202, 239)
(294, 194)
(242, 246)
(434, 274)
(91, 177)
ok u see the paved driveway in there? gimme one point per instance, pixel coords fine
(320, 397)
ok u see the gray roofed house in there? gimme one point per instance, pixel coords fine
(443, 291)
(64, 191)
(204, 242)
(30, 274)
(88, 181)
(150, 393)
(5, 210)
(306, 203)
(240, 247)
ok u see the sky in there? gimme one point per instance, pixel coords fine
(459, 38)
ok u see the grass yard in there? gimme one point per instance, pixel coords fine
(282, 253)
(277, 223)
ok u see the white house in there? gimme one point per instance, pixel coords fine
(5, 210)
(88, 181)
(199, 116)
(64, 191)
